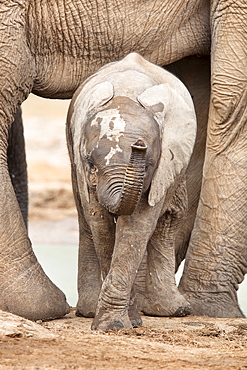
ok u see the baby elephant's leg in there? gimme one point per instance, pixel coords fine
(162, 297)
(133, 313)
(89, 275)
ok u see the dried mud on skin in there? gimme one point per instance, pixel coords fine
(161, 343)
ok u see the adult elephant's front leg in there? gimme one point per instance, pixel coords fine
(17, 164)
(24, 288)
(132, 235)
(217, 257)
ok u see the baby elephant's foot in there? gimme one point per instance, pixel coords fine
(134, 316)
(106, 319)
(86, 306)
(171, 305)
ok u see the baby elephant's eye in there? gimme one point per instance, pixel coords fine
(91, 164)
(150, 163)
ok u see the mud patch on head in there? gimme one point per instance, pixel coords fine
(111, 153)
(112, 124)
(112, 127)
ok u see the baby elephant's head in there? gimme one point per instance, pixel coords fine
(126, 148)
(121, 146)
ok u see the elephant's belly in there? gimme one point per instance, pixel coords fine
(61, 66)
(58, 76)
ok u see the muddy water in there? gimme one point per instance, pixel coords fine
(60, 264)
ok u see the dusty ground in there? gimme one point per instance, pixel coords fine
(161, 343)
(68, 343)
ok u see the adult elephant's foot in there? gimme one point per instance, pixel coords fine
(219, 304)
(26, 291)
(216, 260)
(166, 305)
(106, 319)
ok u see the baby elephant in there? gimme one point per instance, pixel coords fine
(131, 129)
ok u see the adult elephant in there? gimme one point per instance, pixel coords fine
(50, 49)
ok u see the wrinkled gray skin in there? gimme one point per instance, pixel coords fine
(131, 131)
(40, 53)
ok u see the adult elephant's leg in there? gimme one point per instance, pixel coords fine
(194, 72)
(24, 288)
(162, 297)
(17, 164)
(217, 257)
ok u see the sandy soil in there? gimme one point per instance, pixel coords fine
(161, 343)
(68, 343)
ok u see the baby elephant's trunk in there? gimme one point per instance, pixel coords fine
(133, 181)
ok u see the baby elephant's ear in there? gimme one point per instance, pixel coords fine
(177, 121)
(87, 100)
(91, 97)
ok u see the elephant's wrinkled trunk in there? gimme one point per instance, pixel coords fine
(133, 181)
